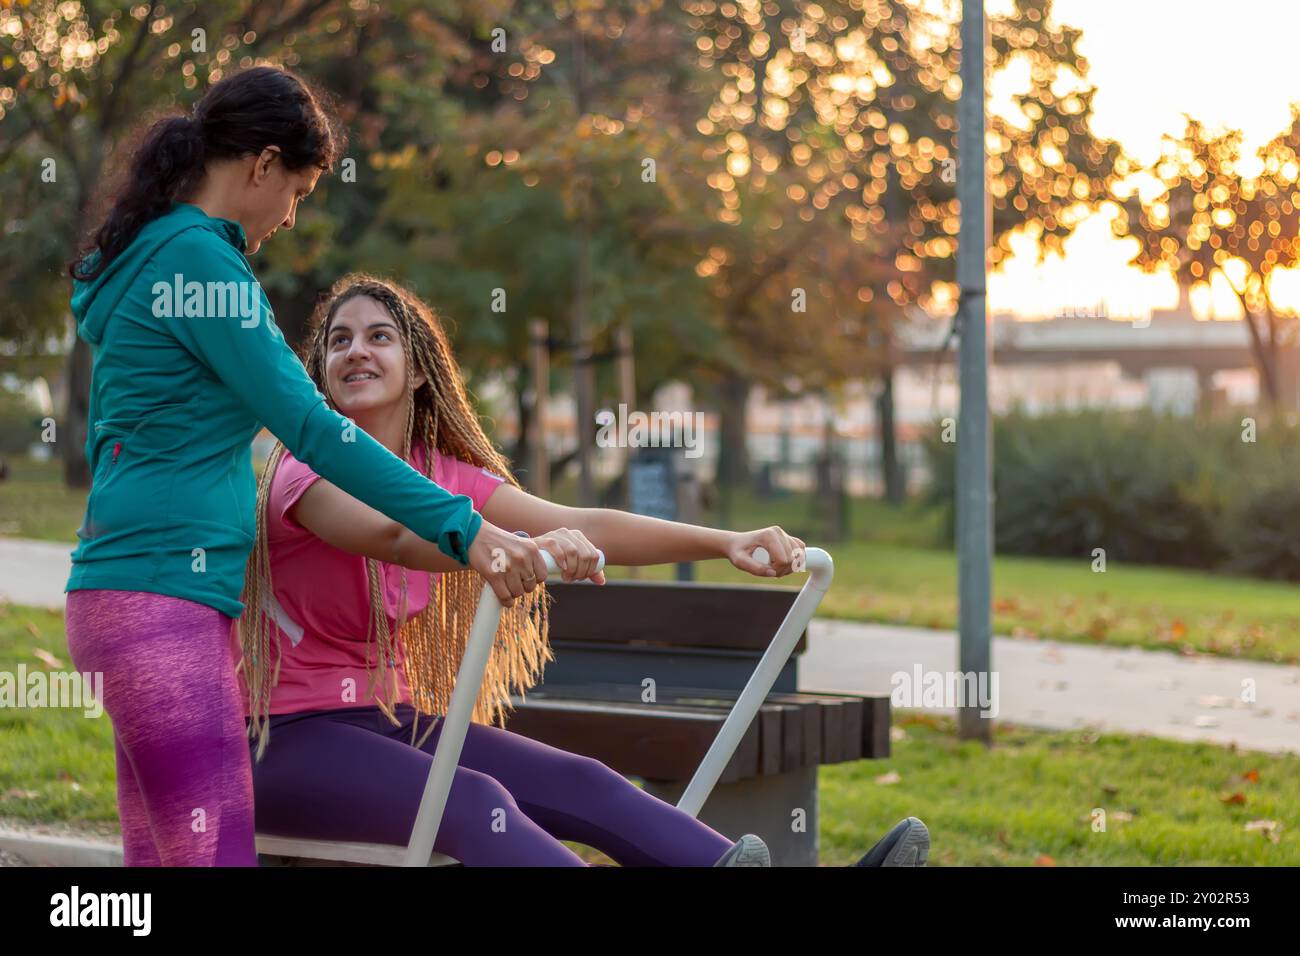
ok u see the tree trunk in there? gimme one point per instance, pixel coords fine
(1271, 350)
(830, 501)
(890, 473)
(1265, 357)
(733, 453)
(521, 456)
(76, 418)
(76, 468)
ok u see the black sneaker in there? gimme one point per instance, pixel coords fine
(908, 844)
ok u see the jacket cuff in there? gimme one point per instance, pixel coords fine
(455, 542)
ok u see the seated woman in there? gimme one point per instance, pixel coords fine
(329, 578)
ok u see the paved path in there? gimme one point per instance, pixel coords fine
(34, 572)
(1040, 683)
(1057, 685)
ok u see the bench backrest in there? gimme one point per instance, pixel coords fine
(694, 635)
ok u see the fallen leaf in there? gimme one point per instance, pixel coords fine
(896, 734)
(1237, 797)
(1121, 816)
(1211, 700)
(1251, 776)
(21, 794)
(1270, 828)
(1109, 789)
(48, 659)
(1206, 721)
(1044, 860)
(888, 778)
(32, 629)
(1004, 839)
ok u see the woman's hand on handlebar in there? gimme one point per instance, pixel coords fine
(576, 556)
(785, 552)
(512, 565)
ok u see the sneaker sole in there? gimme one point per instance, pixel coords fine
(751, 853)
(913, 849)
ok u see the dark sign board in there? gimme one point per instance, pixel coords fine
(653, 486)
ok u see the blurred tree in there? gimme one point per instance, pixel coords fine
(759, 190)
(1217, 212)
(490, 222)
(77, 77)
(845, 113)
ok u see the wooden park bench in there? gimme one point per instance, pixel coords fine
(646, 672)
(682, 686)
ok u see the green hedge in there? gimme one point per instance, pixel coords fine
(20, 422)
(1147, 488)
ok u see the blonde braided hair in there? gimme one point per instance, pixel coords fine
(439, 416)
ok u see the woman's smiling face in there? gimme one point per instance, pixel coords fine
(365, 364)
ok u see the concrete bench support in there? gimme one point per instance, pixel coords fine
(764, 806)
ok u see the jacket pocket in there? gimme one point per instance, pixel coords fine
(106, 469)
(122, 442)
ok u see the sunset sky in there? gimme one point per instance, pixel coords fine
(1152, 61)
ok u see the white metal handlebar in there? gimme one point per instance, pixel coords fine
(821, 569)
(469, 679)
(451, 738)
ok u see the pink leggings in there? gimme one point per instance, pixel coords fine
(184, 778)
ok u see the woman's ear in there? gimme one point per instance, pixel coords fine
(262, 164)
(419, 380)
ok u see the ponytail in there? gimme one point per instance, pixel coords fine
(239, 116)
(167, 163)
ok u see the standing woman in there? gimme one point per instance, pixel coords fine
(189, 365)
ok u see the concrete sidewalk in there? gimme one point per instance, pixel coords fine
(34, 572)
(1063, 686)
(1040, 683)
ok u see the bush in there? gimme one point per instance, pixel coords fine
(1262, 536)
(20, 422)
(1146, 488)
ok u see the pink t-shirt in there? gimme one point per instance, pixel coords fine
(322, 595)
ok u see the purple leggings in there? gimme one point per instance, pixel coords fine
(349, 774)
(184, 782)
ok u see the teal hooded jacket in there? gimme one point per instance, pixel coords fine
(188, 367)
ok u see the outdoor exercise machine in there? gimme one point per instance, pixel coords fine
(419, 851)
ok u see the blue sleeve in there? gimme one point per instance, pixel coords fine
(250, 356)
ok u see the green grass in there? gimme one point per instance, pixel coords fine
(35, 503)
(56, 765)
(1029, 800)
(1028, 797)
(1128, 605)
(892, 570)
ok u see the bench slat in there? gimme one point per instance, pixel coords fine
(875, 721)
(863, 718)
(653, 741)
(736, 617)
